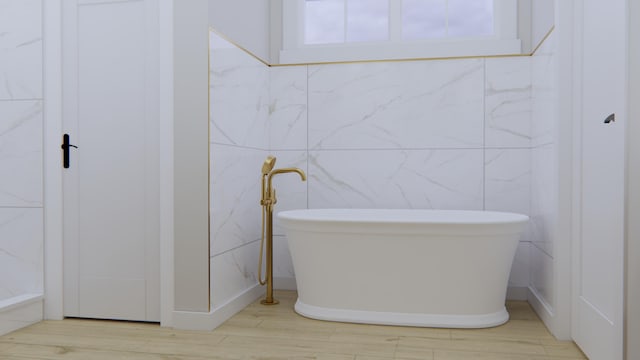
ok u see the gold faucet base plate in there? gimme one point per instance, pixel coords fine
(265, 302)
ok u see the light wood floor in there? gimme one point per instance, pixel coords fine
(276, 332)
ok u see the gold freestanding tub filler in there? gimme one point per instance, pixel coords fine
(268, 201)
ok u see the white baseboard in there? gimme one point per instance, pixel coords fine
(518, 293)
(285, 283)
(20, 311)
(187, 320)
(542, 308)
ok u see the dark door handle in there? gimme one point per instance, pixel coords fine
(65, 150)
(611, 118)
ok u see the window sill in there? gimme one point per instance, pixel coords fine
(407, 51)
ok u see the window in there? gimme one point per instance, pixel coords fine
(343, 21)
(429, 19)
(343, 30)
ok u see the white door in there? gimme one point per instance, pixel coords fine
(599, 254)
(111, 246)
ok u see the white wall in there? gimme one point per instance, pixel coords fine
(633, 192)
(239, 113)
(445, 134)
(247, 22)
(535, 19)
(191, 160)
(21, 196)
(542, 19)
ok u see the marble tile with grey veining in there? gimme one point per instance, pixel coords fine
(519, 276)
(21, 153)
(544, 105)
(508, 102)
(282, 264)
(508, 180)
(235, 196)
(291, 191)
(20, 49)
(21, 251)
(508, 188)
(288, 108)
(542, 275)
(507, 184)
(397, 105)
(233, 272)
(422, 179)
(544, 197)
(239, 96)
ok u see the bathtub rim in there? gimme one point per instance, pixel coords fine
(338, 215)
(472, 321)
(380, 221)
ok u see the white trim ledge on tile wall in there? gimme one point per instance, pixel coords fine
(388, 52)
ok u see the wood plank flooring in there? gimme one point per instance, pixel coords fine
(277, 332)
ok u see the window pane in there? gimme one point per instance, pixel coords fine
(367, 20)
(424, 19)
(323, 21)
(470, 18)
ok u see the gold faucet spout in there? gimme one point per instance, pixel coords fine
(303, 176)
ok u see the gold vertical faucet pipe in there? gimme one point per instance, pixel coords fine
(269, 300)
(268, 201)
(268, 165)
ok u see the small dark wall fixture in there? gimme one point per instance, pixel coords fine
(611, 118)
(65, 150)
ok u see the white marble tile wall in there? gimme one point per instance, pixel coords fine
(235, 196)
(239, 105)
(233, 272)
(21, 122)
(508, 183)
(412, 179)
(21, 252)
(449, 134)
(21, 153)
(445, 134)
(508, 102)
(544, 94)
(542, 275)
(284, 276)
(544, 169)
(239, 96)
(397, 105)
(288, 108)
(21, 49)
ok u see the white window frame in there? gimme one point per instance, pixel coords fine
(504, 41)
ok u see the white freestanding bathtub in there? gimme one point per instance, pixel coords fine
(432, 268)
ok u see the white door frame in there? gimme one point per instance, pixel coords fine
(52, 172)
(53, 214)
(577, 164)
(632, 326)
